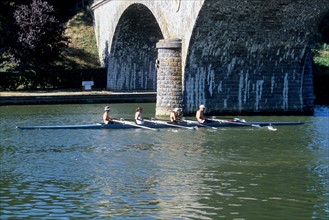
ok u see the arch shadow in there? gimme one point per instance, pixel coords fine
(131, 61)
(242, 61)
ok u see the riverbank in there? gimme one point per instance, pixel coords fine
(74, 97)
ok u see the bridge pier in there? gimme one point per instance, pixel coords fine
(169, 76)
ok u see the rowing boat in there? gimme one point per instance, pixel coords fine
(156, 124)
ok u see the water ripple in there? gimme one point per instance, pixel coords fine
(173, 174)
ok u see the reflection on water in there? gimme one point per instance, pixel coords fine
(229, 173)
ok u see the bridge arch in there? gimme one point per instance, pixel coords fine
(252, 60)
(133, 50)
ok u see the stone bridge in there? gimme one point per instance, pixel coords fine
(234, 56)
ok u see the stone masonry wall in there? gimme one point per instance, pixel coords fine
(133, 52)
(169, 76)
(251, 57)
(237, 56)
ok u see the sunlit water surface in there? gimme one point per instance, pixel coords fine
(228, 173)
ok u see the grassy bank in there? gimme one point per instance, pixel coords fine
(82, 51)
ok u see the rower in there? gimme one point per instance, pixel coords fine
(106, 115)
(138, 116)
(175, 115)
(200, 114)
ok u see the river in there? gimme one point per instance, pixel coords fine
(228, 173)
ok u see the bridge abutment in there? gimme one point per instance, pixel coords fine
(169, 76)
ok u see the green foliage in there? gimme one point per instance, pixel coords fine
(321, 55)
(322, 61)
(66, 71)
(40, 36)
(7, 31)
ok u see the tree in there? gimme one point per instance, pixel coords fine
(37, 41)
(9, 26)
(7, 32)
(40, 36)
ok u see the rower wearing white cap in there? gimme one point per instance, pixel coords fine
(174, 114)
(106, 115)
(200, 114)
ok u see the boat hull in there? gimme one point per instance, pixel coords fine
(155, 125)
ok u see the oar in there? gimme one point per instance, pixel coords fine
(243, 123)
(122, 121)
(240, 122)
(165, 123)
(199, 124)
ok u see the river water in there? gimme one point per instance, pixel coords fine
(228, 173)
